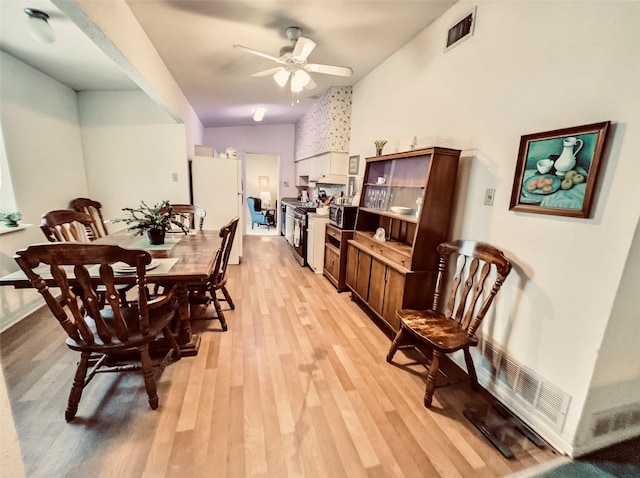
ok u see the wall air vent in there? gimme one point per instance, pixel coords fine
(523, 386)
(461, 30)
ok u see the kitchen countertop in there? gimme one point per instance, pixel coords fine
(293, 202)
(315, 215)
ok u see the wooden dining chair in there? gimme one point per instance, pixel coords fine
(218, 279)
(66, 225)
(188, 213)
(479, 270)
(94, 209)
(98, 333)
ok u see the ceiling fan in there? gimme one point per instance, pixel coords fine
(293, 63)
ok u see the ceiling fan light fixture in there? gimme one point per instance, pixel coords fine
(299, 80)
(281, 77)
(259, 112)
(38, 25)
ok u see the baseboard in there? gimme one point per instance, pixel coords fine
(24, 311)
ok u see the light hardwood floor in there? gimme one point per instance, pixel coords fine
(298, 387)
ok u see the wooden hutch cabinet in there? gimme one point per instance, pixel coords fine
(409, 198)
(335, 255)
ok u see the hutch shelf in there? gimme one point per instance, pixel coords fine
(407, 198)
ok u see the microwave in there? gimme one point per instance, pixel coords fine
(343, 216)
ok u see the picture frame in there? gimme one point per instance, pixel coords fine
(354, 164)
(263, 181)
(557, 171)
(351, 186)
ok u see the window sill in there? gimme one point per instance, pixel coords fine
(7, 230)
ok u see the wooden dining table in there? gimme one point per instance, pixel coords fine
(183, 260)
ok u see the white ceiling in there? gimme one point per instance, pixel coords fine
(195, 39)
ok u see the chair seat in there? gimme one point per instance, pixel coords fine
(136, 337)
(435, 329)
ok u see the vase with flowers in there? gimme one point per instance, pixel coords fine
(379, 145)
(154, 220)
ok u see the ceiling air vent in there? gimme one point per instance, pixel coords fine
(461, 30)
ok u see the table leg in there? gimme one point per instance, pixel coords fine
(188, 341)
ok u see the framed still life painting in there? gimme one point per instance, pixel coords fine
(557, 171)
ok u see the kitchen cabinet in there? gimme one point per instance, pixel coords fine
(335, 255)
(302, 170)
(315, 241)
(329, 168)
(408, 198)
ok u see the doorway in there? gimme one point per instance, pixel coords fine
(262, 180)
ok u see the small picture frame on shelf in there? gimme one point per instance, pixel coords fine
(557, 171)
(354, 164)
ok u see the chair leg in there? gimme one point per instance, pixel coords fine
(78, 385)
(216, 304)
(395, 344)
(431, 378)
(147, 374)
(227, 297)
(166, 332)
(471, 370)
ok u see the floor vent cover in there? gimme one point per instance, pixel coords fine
(533, 392)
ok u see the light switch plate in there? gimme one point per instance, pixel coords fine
(489, 194)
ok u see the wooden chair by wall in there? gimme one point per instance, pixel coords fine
(94, 209)
(218, 279)
(479, 271)
(66, 225)
(188, 215)
(96, 332)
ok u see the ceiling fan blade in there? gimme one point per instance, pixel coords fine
(329, 69)
(268, 72)
(259, 53)
(304, 47)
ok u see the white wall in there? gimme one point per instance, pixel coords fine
(41, 131)
(530, 67)
(265, 139)
(261, 165)
(132, 148)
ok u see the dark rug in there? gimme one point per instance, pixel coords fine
(619, 461)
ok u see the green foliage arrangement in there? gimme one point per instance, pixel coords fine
(10, 218)
(161, 217)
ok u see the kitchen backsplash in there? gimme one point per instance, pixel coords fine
(326, 127)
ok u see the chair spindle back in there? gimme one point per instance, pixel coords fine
(473, 287)
(66, 225)
(77, 310)
(94, 209)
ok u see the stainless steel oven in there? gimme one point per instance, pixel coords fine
(300, 236)
(343, 216)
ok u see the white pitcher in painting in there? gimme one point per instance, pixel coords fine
(567, 159)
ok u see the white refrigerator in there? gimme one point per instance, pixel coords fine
(217, 188)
